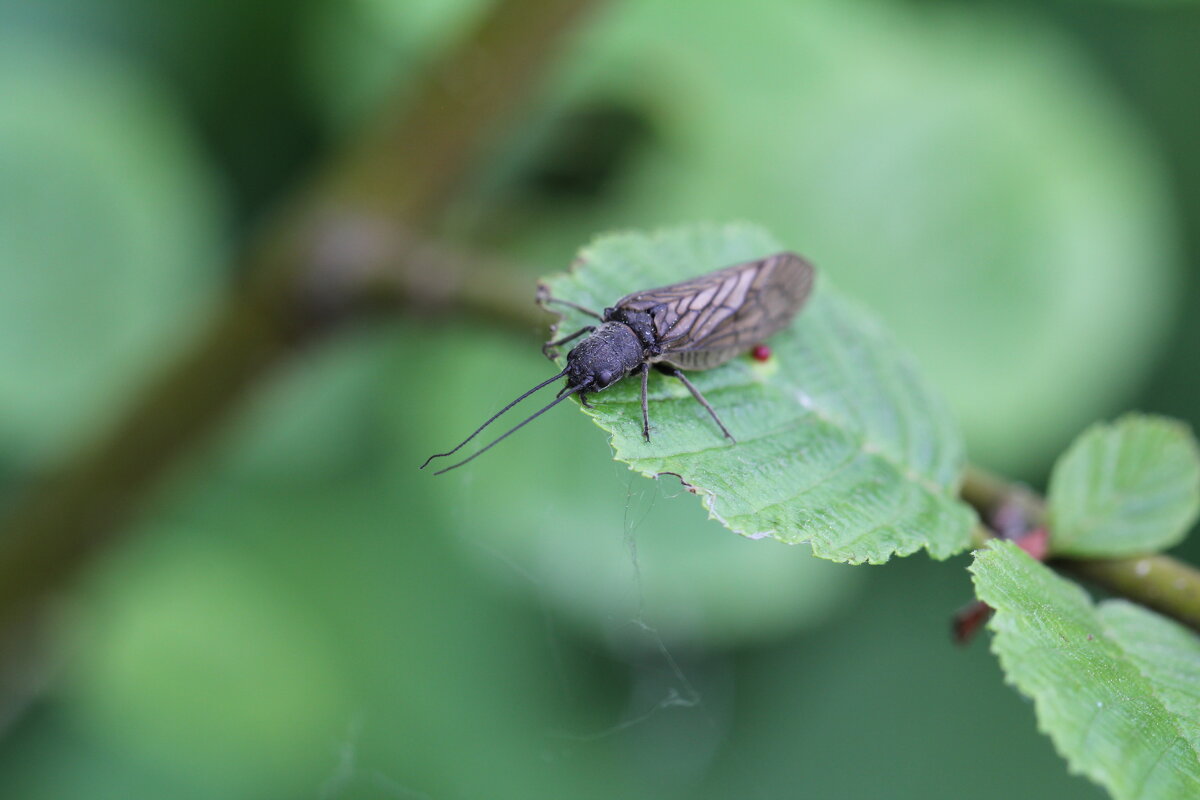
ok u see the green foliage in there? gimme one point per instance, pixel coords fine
(857, 132)
(1126, 488)
(840, 443)
(317, 416)
(1114, 685)
(194, 632)
(107, 240)
(313, 644)
(964, 170)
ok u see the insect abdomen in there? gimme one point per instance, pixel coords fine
(702, 323)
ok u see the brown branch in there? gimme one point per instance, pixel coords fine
(1156, 581)
(325, 257)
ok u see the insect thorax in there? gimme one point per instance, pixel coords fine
(638, 321)
(608, 354)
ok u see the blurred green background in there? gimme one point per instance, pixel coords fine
(1014, 187)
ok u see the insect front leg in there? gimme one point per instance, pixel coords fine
(548, 348)
(645, 410)
(674, 372)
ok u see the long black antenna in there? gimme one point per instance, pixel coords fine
(513, 430)
(492, 419)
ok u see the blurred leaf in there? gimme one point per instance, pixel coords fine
(328, 643)
(316, 417)
(881, 687)
(1114, 685)
(985, 199)
(192, 656)
(108, 239)
(232, 65)
(51, 761)
(1126, 488)
(840, 443)
(549, 515)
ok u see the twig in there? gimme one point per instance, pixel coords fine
(1156, 581)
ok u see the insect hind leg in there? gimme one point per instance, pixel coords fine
(675, 372)
(645, 408)
(544, 297)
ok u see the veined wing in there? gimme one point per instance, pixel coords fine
(716, 316)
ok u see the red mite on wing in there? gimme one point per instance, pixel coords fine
(697, 324)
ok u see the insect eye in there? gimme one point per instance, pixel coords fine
(605, 377)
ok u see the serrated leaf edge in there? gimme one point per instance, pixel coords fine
(1040, 702)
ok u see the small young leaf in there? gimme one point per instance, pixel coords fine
(1113, 685)
(839, 442)
(1126, 488)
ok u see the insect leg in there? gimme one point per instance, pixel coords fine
(645, 410)
(677, 373)
(545, 297)
(548, 348)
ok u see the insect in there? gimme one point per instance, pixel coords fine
(697, 324)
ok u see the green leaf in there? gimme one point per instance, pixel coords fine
(840, 443)
(296, 633)
(1125, 488)
(108, 240)
(1113, 685)
(249, 669)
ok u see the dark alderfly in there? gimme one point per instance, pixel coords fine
(697, 324)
